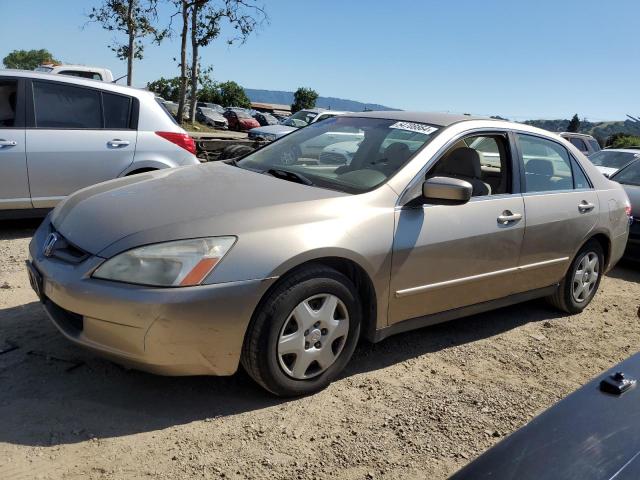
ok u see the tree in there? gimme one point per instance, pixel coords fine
(622, 140)
(167, 88)
(304, 98)
(227, 94)
(574, 124)
(201, 22)
(134, 18)
(28, 59)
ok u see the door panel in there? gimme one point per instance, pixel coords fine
(63, 161)
(449, 256)
(14, 184)
(557, 224)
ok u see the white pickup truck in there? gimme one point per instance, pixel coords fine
(82, 71)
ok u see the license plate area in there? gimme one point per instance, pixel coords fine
(35, 279)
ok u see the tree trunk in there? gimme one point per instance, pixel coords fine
(132, 38)
(194, 61)
(183, 60)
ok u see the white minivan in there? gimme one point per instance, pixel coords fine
(59, 134)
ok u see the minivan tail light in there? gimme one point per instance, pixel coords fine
(180, 139)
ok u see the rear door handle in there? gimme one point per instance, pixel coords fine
(585, 206)
(509, 217)
(116, 142)
(8, 143)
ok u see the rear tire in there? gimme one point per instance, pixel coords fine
(580, 284)
(323, 350)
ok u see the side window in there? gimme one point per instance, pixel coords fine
(66, 106)
(596, 146)
(482, 160)
(579, 144)
(82, 74)
(546, 165)
(579, 178)
(117, 109)
(8, 99)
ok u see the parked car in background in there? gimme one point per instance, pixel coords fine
(629, 178)
(285, 263)
(211, 118)
(82, 71)
(59, 134)
(589, 435)
(299, 119)
(240, 120)
(585, 143)
(214, 106)
(265, 119)
(610, 160)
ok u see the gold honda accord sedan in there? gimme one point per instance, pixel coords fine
(359, 226)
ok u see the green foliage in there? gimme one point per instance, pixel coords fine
(622, 140)
(28, 59)
(304, 98)
(574, 124)
(167, 88)
(227, 94)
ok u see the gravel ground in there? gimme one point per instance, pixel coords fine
(418, 405)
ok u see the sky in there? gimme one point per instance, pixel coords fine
(521, 59)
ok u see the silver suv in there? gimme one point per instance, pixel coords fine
(59, 134)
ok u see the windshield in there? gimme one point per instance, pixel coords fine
(241, 114)
(605, 158)
(300, 119)
(208, 111)
(630, 175)
(43, 69)
(348, 154)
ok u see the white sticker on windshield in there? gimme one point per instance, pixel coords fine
(414, 127)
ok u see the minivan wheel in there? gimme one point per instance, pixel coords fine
(304, 333)
(581, 282)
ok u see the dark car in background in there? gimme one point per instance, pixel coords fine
(629, 178)
(265, 119)
(211, 118)
(240, 120)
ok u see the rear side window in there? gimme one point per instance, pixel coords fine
(579, 144)
(595, 145)
(66, 106)
(8, 99)
(546, 164)
(81, 74)
(579, 178)
(117, 111)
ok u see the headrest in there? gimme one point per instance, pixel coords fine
(397, 153)
(463, 161)
(539, 166)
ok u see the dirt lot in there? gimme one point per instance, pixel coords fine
(419, 405)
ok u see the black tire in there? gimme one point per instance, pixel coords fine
(259, 352)
(242, 150)
(228, 152)
(564, 298)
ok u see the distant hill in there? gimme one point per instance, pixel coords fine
(600, 130)
(286, 98)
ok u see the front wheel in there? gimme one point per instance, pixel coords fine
(581, 282)
(304, 333)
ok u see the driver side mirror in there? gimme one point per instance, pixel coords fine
(447, 190)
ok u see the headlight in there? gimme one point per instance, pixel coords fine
(172, 264)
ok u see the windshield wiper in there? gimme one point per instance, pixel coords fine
(288, 175)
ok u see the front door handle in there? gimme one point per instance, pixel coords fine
(116, 142)
(585, 206)
(509, 217)
(8, 143)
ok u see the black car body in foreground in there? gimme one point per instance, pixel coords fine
(590, 435)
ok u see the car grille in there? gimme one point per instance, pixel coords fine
(70, 322)
(332, 158)
(66, 251)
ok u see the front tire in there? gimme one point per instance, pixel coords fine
(582, 280)
(304, 333)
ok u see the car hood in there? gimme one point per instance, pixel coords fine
(202, 200)
(216, 117)
(278, 130)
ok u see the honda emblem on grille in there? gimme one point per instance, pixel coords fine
(49, 243)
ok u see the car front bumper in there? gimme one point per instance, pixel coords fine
(168, 331)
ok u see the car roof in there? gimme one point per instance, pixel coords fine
(86, 82)
(432, 118)
(624, 150)
(575, 134)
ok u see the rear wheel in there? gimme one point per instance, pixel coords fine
(581, 282)
(304, 333)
